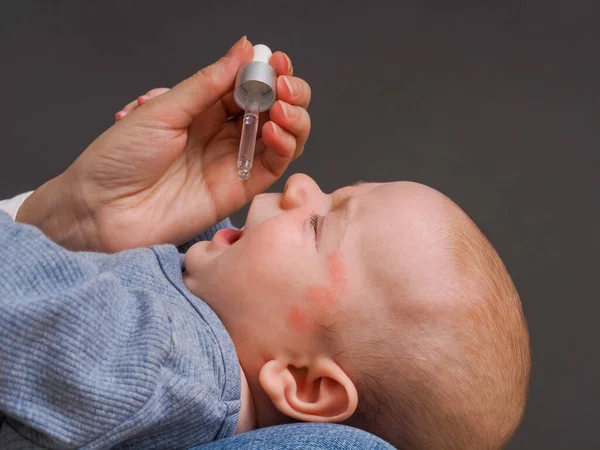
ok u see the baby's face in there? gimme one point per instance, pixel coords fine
(303, 257)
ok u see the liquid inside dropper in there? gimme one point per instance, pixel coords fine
(248, 139)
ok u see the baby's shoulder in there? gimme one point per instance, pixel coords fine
(143, 268)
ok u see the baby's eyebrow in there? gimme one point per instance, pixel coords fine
(344, 209)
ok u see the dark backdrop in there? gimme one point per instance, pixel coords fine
(495, 104)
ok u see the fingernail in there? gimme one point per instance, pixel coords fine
(290, 85)
(288, 110)
(289, 63)
(238, 46)
(276, 129)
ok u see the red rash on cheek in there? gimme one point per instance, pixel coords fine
(297, 318)
(337, 271)
(320, 295)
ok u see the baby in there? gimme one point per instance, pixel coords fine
(381, 306)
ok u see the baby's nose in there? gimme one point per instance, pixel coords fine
(300, 190)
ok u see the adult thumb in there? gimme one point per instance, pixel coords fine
(196, 94)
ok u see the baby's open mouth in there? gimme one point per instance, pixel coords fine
(227, 236)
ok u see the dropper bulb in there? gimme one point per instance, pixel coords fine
(262, 53)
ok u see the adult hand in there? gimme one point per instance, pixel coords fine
(168, 170)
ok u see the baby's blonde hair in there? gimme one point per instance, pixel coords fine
(457, 379)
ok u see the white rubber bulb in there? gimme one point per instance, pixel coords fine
(262, 53)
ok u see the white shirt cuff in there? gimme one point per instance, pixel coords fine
(12, 205)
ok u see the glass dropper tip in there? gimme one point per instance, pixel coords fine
(243, 173)
(248, 137)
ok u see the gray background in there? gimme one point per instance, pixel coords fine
(496, 104)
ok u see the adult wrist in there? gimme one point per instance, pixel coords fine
(60, 214)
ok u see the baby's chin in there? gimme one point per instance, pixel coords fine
(195, 263)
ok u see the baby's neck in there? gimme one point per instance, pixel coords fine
(247, 420)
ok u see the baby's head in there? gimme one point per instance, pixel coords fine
(381, 306)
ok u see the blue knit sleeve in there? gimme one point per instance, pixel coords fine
(80, 351)
(88, 357)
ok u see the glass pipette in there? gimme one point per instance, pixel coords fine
(254, 93)
(248, 139)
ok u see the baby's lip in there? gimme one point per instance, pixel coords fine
(227, 236)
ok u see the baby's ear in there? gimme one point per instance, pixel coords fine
(319, 392)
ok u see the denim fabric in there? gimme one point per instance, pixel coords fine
(301, 436)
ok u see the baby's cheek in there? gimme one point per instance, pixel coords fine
(321, 300)
(272, 258)
(337, 271)
(298, 318)
(320, 296)
(243, 331)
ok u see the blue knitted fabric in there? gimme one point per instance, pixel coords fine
(108, 351)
